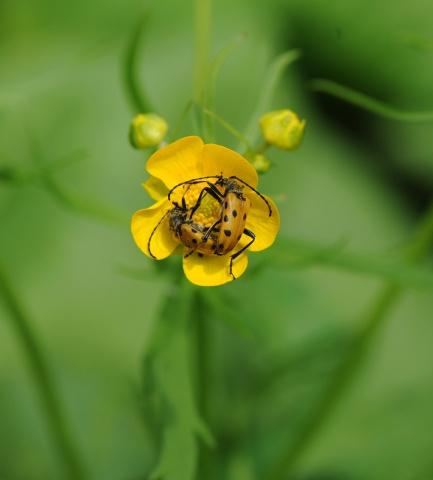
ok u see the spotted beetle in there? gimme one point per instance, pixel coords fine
(234, 210)
(186, 232)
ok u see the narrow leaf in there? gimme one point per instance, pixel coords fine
(209, 91)
(368, 103)
(131, 63)
(287, 253)
(86, 206)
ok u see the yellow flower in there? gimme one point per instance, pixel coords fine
(179, 163)
(283, 129)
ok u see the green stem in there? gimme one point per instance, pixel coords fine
(203, 364)
(203, 15)
(229, 128)
(262, 148)
(375, 318)
(39, 370)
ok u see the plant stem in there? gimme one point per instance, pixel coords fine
(285, 466)
(203, 14)
(203, 373)
(44, 384)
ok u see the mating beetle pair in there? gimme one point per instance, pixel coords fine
(225, 233)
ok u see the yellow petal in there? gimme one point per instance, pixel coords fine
(177, 162)
(213, 270)
(188, 158)
(264, 227)
(218, 159)
(150, 229)
(155, 188)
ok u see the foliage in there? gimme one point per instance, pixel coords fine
(314, 364)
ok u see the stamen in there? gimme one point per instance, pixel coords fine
(209, 210)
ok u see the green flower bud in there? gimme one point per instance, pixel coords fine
(147, 130)
(260, 162)
(282, 129)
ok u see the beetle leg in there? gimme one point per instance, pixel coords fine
(211, 190)
(250, 234)
(204, 238)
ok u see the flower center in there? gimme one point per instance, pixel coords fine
(209, 210)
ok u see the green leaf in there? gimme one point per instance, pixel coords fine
(270, 84)
(209, 90)
(368, 103)
(289, 253)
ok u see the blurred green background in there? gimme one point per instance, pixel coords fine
(357, 177)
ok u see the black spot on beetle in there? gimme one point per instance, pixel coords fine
(227, 233)
(221, 246)
(200, 255)
(235, 213)
(245, 216)
(193, 230)
(194, 241)
(214, 247)
(226, 204)
(226, 218)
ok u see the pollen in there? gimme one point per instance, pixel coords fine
(209, 210)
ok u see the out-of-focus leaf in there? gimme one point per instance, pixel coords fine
(421, 43)
(288, 253)
(86, 206)
(209, 90)
(305, 362)
(227, 312)
(368, 103)
(240, 466)
(15, 176)
(139, 101)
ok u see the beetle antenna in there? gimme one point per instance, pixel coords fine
(153, 231)
(255, 191)
(191, 182)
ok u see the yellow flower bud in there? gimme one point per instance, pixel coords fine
(260, 162)
(282, 129)
(147, 130)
